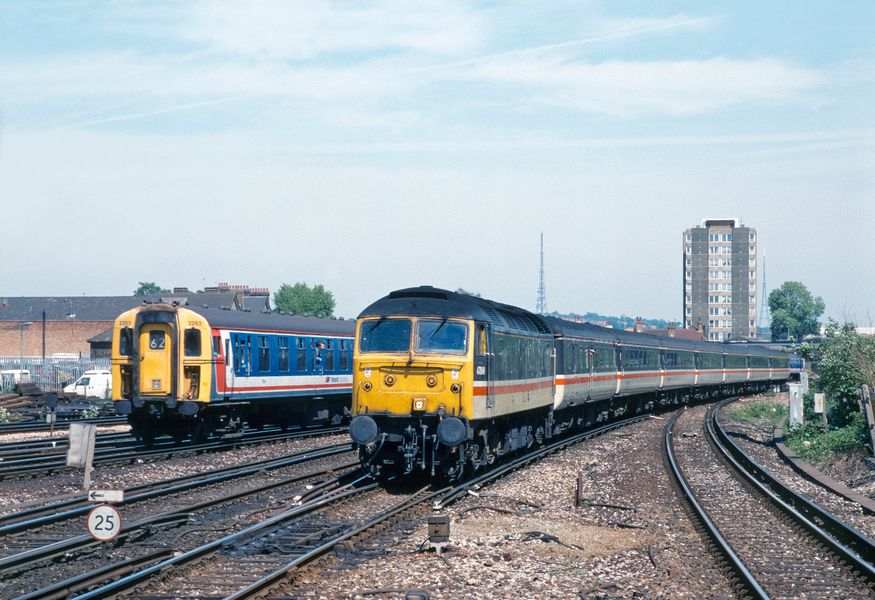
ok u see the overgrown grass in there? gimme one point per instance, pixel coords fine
(4, 415)
(816, 444)
(763, 414)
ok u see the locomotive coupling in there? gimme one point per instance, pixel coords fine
(363, 430)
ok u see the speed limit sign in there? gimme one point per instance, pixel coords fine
(104, 522)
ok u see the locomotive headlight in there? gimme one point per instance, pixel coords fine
(367, 386)
(431, 381)
(456, 388)
(390, 380)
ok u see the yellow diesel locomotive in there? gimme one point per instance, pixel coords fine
(446, 382)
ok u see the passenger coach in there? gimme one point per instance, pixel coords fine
(191, 371)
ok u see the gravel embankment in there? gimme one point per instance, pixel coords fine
(522, 537)
(757, 442)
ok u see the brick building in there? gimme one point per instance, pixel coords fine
(71, 321)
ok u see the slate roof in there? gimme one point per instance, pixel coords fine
(102, 308)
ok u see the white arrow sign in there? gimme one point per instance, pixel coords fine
(106, 495)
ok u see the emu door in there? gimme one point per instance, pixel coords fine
(155, 367)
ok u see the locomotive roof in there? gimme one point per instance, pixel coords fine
(217, 317)
(431, 301)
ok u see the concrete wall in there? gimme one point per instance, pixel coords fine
(70, 336)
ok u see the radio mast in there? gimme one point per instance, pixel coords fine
(542, 290)
(764, 305)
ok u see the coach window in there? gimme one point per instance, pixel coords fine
(283, 349)
(263, 353)
(328, 352)
(301, 365)
(125, 341)
(192, 342)
(344, 355)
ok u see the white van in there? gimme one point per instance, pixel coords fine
(17, 375)
(93, 384)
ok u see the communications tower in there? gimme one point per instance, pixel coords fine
(542, 290)
(764, 305)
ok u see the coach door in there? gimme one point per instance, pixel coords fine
(484, 362)
(155, 359)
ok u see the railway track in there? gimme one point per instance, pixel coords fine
(157, 516)
(268, 552)
(37, 459)
(775, 543)
(60, 425)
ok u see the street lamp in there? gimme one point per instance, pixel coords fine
(21, 327)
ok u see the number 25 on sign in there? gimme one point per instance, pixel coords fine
(104, 522)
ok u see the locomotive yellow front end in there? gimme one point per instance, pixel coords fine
(161, 368)
(413, 392)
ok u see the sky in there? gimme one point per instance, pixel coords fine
(370, 146)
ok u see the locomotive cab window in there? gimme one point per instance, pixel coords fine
(126, 341)
(192, 342)
(482, 347)
(385, 335)
(441, 336)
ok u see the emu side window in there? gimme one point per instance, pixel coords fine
(192, 342)
(126, 341)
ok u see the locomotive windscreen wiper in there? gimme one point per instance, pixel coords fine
(434, 333)
(377, 324)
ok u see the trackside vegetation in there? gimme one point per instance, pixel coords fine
(842, 363)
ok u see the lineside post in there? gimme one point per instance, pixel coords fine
(866, 404)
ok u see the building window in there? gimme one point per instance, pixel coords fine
(689, 262)
(689, 311)
(689, 274)
(753, 237)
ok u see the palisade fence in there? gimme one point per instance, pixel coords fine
(50, 375)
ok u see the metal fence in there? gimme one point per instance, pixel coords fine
(50, 375)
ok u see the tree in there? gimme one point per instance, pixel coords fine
(301, 299)
(845, 360)
(794, 311)
(149, 287)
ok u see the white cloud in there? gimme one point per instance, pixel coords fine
(636, 88)
(279, 30)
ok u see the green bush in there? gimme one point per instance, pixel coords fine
(765, 414)
(4, 415)
(92, 412)
(816, 443)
